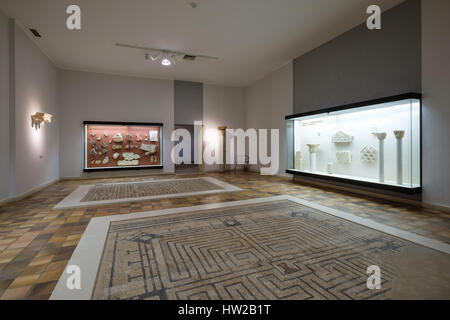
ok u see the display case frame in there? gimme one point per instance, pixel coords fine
(375, 185)
(121, 123)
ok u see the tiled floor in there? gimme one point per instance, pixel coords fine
(36, 242)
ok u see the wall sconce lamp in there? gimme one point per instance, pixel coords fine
(39, 118)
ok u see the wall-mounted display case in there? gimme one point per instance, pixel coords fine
(121, 145)
(375, 143)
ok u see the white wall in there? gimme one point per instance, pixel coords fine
(267, 102)
(4, 107)
(36, 89)
(222, 106)
(436, 101)
(98, 97)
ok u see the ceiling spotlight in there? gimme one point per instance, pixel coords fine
(166, 60)
(155, 56)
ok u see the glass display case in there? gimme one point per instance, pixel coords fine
(375, 143)
(119, 145)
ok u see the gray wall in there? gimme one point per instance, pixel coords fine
(188, 102)
(362, 64)
(4, 107)
(36, 89)
(267, 101)
(99, 97)
(436, 101)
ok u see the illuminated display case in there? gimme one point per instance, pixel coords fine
(120, 145)
(375, 143)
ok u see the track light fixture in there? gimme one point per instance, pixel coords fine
(167, 57)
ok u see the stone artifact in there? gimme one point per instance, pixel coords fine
(93, 162)
(116, 155)
(368, 154)
(127, 146)
(98, 161)
(153, 135)
(104, 145)
(147, 153)
(117, 147)
(106, 160)
(104, 151)
(341, 137)
(92, 142)
(129, 137)
(106, 134)
(97, 148)
(330, 167)
(117, 138)
(130, 156)
(298, 158)
(99, 138)
(138, 138)
(313, 156)
(344, 157)
(92, 134)
(148, 147)
(93, 152)
(100, 153)
(399, 134)
(381, 136)
(127, 162)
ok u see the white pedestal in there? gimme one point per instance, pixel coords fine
(399, 134)
(381, 136)
(313, 161)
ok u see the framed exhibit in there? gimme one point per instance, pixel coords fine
(375, 143)
(122, 145)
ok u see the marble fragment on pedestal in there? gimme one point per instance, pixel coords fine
(116, 155)
(104, 145)
(93, 152)
(106, 134)
(330, 167)
(99, 138)
(92, 134)
(92, 142)
(106, 160)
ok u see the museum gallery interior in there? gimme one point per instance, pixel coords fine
(210, 149)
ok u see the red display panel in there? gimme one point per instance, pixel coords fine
(116, 146)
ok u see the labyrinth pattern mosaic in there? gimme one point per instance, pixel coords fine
(269, 250)
(131, 191)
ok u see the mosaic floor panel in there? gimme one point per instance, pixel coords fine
(101, 194)
(265, 249)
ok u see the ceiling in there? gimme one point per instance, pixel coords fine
(251, 37)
